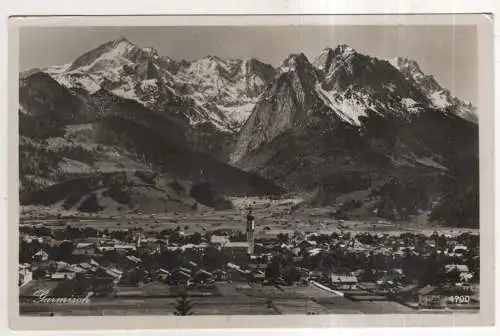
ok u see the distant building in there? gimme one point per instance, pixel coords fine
(41, 255)
(464, 275)
(259, 276)
(236, 273)
(219, 240)
(236, 249)
(220, 274)
(124, 248)
(94, 263)
(108, 274)
(456, 267)
(85, 249)
(460, 249)
(106, 247)
(343, 281)
(192, 264)
(203, 277)
(182, 269)
(76, 269)
(163, 274)
(386, 282)
(195, 247)
(25, 274)
(134, 260)
(83, 245)
(179, 277)
(85, 266)
(63, 276)
(237, 245)
(61, 265)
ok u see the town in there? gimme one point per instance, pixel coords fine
(238, 271)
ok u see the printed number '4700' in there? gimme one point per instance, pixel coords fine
(459, 299)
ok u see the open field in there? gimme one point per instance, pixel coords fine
(272, 218)
(250, 300)
(228, 299)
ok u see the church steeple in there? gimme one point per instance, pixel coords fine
(138, 241)
(250, 231)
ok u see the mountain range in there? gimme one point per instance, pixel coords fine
(371, 137)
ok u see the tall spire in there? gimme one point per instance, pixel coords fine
(250, 231)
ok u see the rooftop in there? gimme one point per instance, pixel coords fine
(237, 244)
(214, 239)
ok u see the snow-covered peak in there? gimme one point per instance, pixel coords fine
(324, 59)
(213, 58)
(402, 63)
(150, 50)
(121, 39)
(439, 97)
(408, 67)
(249, 65)
(111, 52)
(295, 62)
(56, 69)
(122, 45)
(207, 66)
(327, 55)
(344, 49)
(120, 49)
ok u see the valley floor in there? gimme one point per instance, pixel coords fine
(271, 219)
(234, 296)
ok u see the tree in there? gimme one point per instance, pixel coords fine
(282, 238)
(273, 269)
(62, 252)
(103, 287)
(196, 238)
(73, 233)
(291, 274)
(183, 306)
(90, 232)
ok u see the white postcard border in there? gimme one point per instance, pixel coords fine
(486, 122)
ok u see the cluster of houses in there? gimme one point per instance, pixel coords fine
(90, 262)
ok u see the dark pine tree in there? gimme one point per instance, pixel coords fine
(183, 306)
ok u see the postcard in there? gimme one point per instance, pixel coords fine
(251, 171)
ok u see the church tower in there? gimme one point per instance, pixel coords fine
(250, 231)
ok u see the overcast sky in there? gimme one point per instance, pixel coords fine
(447, 52)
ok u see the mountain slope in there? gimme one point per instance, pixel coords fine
(115, 192)
(43, 100)
(370, 137)
(353, 115)
(72, 135)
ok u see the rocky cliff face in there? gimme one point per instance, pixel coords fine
(287, 102)
(439, 97)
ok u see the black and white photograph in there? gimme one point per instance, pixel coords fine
(249, 170)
